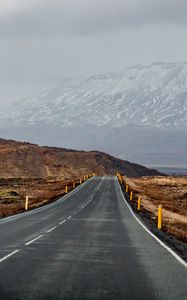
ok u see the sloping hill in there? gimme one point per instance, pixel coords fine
(25, 160)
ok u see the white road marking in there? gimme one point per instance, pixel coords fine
(47, 206)
(32, 241)
(152, 234)
(51, 229)
(9, 255)
(62, 222)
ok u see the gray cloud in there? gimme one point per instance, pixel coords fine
(83, 17)
(44, 41)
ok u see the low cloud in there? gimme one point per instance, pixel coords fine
(43, 42)
(84, 17)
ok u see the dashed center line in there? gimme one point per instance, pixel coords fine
(51, 229)
(32, 241)
(62, 222)
(9, 255)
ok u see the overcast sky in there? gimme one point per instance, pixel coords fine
(43, 42)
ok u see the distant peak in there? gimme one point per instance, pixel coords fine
(154, 64)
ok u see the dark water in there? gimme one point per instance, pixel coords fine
(172, 170)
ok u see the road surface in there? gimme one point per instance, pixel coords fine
(87, 245)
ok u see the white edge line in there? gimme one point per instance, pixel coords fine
(35, 239)
(32, 241)
(69, 217)
(46, 206)
(7, 256)
(152, 234)
(85, 204)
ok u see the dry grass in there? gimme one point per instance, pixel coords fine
(40, 191)
(169, 191)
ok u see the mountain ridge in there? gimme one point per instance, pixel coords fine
(103, 110)
(125, 96)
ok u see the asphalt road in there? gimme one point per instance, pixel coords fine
(87, 245)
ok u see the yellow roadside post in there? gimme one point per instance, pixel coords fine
(131, 196)
(66, 189)
(127, 188)
(160, 217)
(80, 180)
(26, 202)
(139, 203)
(119, 177)
(73, 184)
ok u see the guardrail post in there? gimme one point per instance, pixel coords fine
(26, 202)
(159, 225)
(73, 184)
(131, 193)
(80, 180)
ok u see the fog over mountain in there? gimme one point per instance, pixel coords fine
(138, 114)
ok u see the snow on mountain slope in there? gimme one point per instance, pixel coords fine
(138, 112)
(154, 95)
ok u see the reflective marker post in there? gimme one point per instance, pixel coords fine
(159, 225)
(127, 188)
(66, 189)
(139, 203)
(26, 202)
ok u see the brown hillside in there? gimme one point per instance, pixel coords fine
(25, 160)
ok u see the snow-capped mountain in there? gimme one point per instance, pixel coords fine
(103, 110)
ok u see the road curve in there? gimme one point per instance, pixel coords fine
(87, 245)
